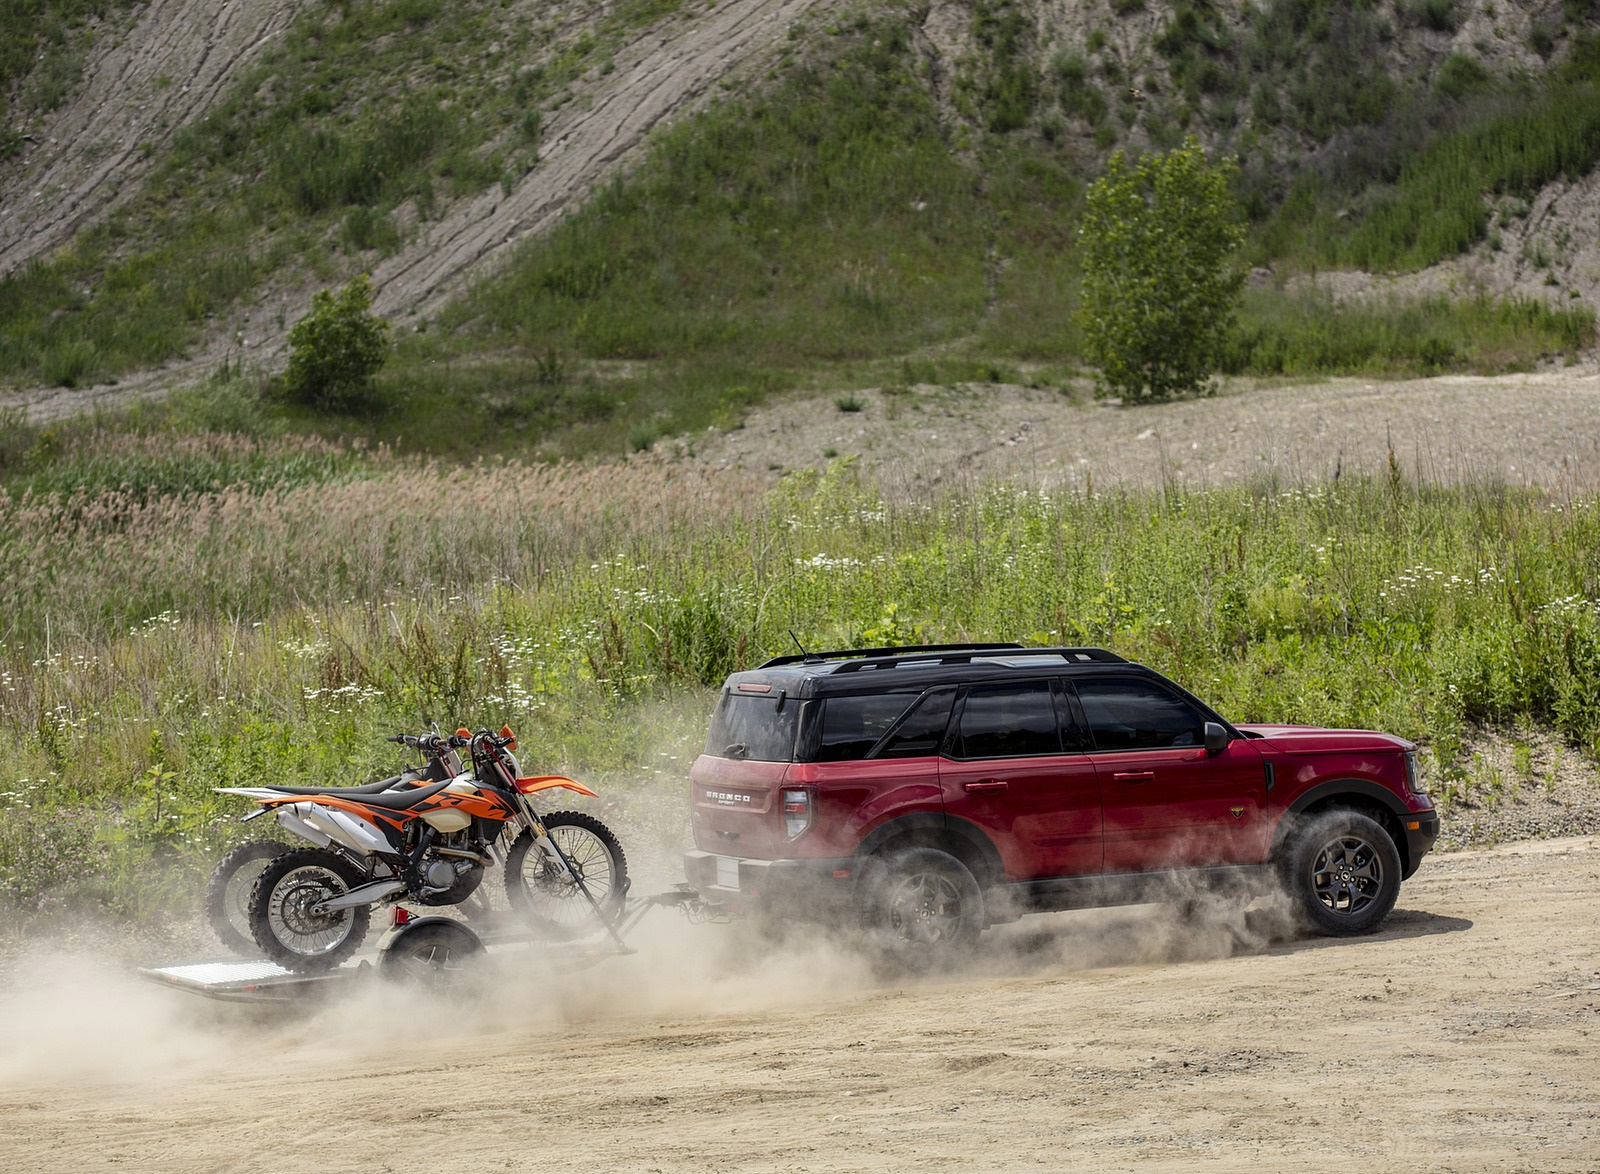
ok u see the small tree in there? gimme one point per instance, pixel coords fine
(337, 348)
(1159, 291)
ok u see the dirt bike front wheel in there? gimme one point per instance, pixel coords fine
(285, 920)
(552, 902)
(228, 892)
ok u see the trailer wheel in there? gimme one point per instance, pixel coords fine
(434, 954)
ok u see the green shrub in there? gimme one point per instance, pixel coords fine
(1159, 289)
(337, 348)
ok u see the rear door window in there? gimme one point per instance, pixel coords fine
(1008, 720)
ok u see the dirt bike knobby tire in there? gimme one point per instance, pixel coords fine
(283, 893)
(573, 914)
(227, 901)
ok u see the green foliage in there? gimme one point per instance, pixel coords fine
(1159, 294)
(1438, 208)
(1310, 334)
(1319, 53)
(337, 348)
(1376, 603)
(42, 44)
(1420, 197)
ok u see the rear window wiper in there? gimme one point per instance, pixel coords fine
(737, 750)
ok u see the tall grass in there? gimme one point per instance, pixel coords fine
(1311, 334)
(154, 650)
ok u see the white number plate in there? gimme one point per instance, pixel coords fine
(727, 872)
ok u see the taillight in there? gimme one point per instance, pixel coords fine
(796, 812)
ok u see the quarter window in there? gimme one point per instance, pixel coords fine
(922, 730)
(1136, 715)
(852, 726)
(1008, 721)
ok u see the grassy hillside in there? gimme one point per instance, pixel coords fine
(876, 208)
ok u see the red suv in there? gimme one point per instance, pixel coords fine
(939, 789)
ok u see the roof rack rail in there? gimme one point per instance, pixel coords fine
(862, 658)
(878, 653)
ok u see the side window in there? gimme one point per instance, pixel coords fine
(1138, 715)
(922, 730)
(1008, 720)
(852, 726)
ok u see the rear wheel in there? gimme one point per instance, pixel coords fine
(286, 917)
(228, 892)
(922, 907)
(1343, 873)
(551, 901)
(434, 955)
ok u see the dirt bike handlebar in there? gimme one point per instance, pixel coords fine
(430, 744)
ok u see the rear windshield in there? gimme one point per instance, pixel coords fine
(758, 726)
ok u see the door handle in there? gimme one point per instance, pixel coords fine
(984, 785)
(1134, 776)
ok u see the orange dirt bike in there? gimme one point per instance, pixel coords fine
(227, 899)
(429, 842)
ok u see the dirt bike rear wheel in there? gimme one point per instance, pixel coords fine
(228, 892)
(281, 918)
(553, 904)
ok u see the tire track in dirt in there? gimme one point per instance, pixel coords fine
(140, 89)
(666, 73)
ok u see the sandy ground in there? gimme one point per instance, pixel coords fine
(1463, 1037)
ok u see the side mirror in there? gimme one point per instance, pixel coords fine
(1216, 738)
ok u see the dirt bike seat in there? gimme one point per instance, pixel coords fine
(404, 779)
(401, 800)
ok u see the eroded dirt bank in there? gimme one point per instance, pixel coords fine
(1462, 1038)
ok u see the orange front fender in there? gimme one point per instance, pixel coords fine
(544, 782)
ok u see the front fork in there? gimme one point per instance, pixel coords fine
(547, 847)
(552, 853)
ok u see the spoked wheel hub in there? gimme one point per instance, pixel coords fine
(925, 907)
(1347, 875)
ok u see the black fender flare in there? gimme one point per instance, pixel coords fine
(931, 826)
(1364, 789)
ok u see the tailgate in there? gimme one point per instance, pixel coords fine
(737, 807)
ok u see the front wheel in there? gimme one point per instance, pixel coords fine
(1343, 873)
(286, 918)
(228, 891)
(922, 907)
(549, 900)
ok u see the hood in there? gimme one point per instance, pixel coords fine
(1316, 740)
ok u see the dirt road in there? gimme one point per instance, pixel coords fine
(1464, 1037)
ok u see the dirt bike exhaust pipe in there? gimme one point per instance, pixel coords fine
(322, 825)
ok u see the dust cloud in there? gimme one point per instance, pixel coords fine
(75, 1018)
